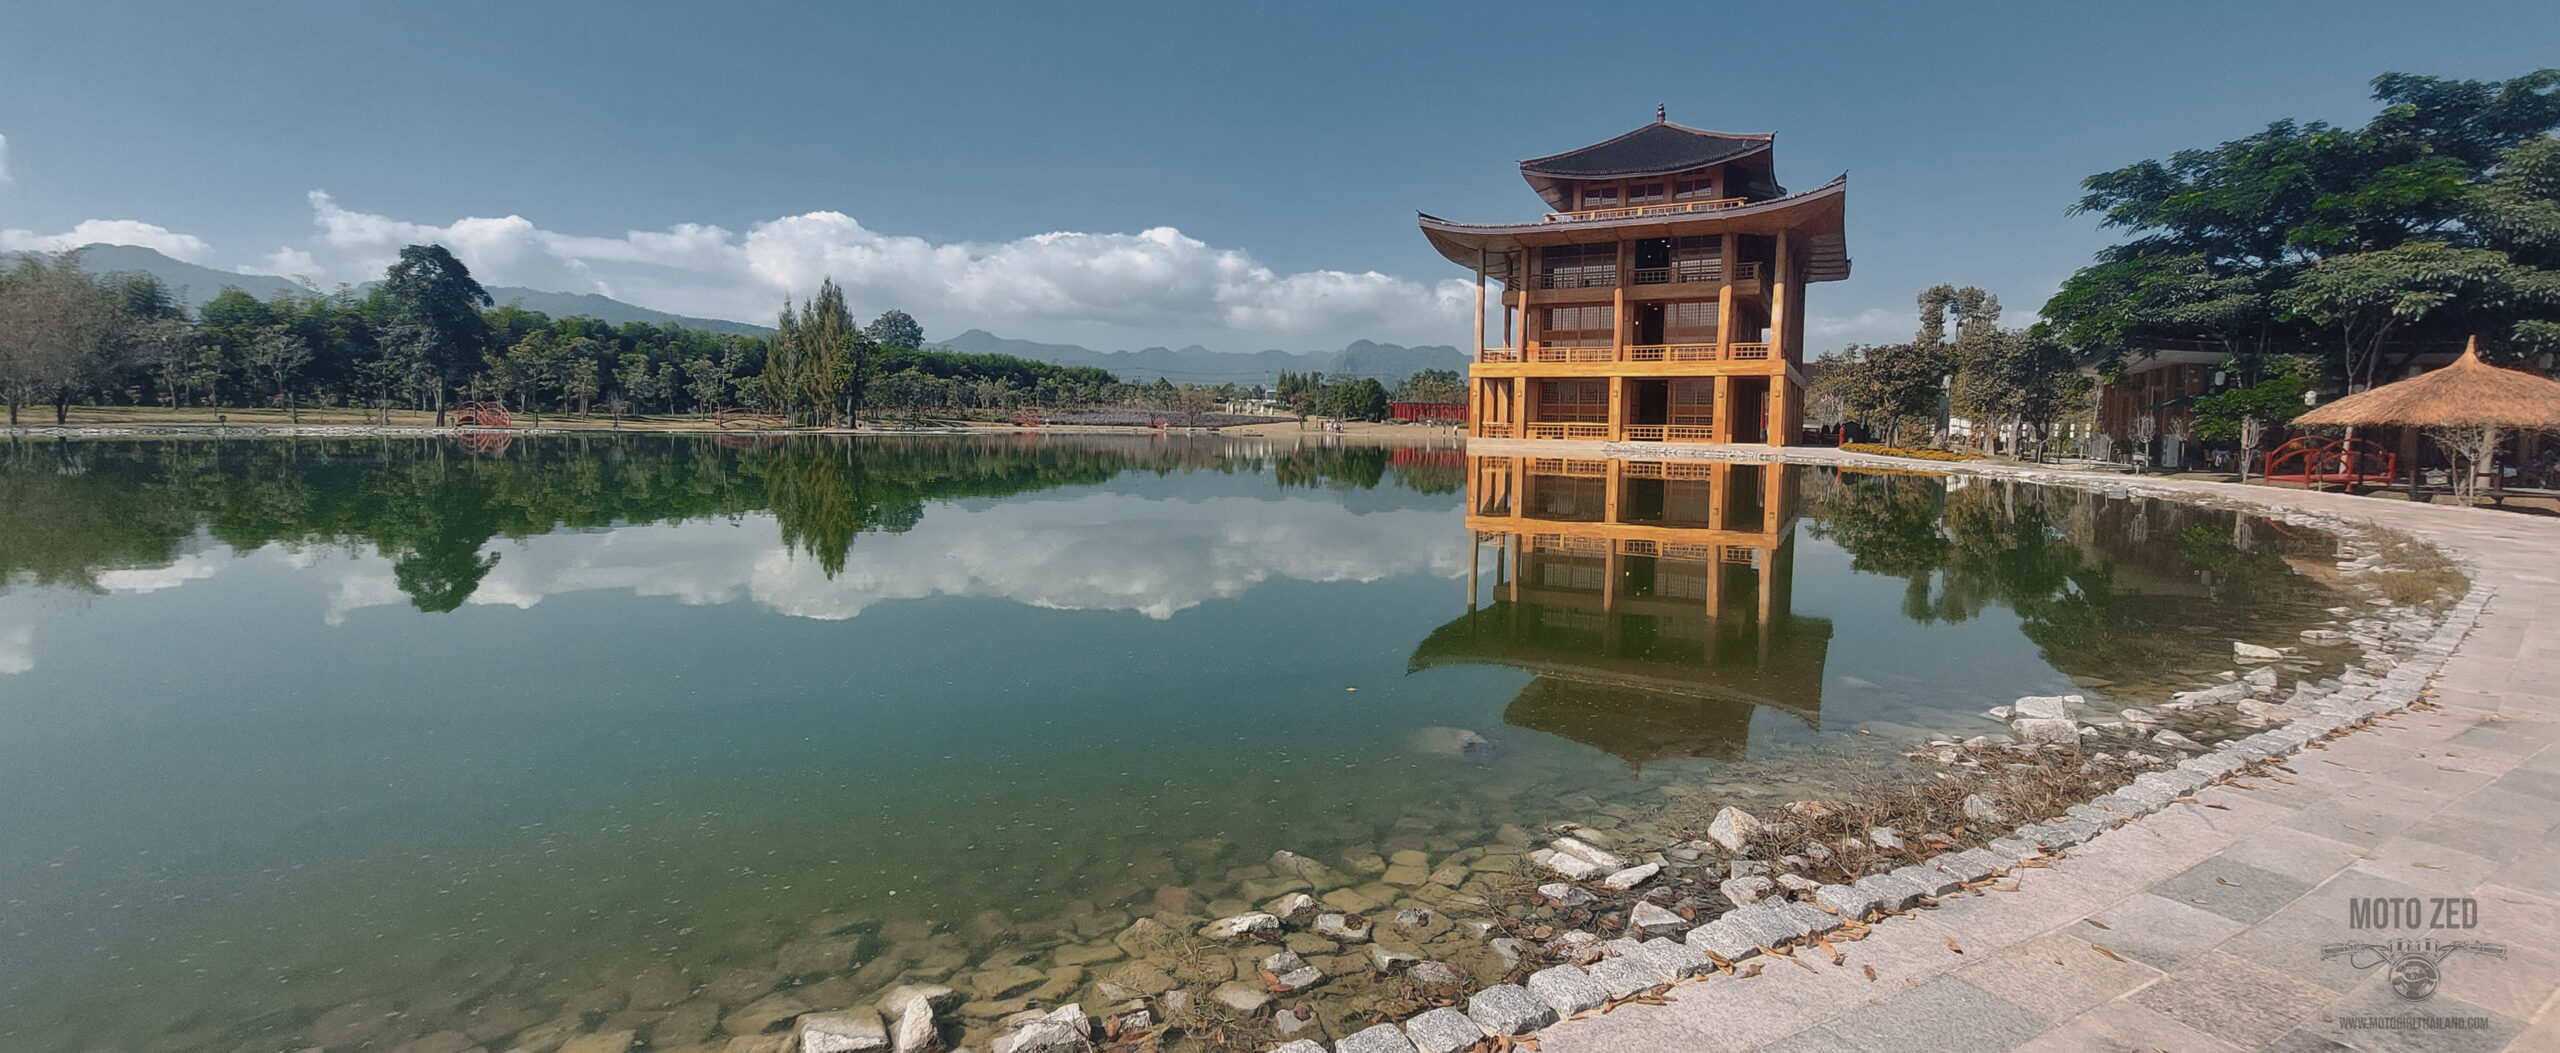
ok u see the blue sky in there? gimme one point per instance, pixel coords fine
(1239, 176)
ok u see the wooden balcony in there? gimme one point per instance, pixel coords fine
(1687, 272)
(1660, 356)
(1671, 433)
(1670, 208)
(1494, 429)
(1593, 430)
(1672, 353)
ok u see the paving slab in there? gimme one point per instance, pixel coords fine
(2227, 923)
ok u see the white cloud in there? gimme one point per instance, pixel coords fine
(17, 645)
(289, 262)
(1105, 552)
(1157, 285)
(170, 243)
(193, 566)
(4, 159)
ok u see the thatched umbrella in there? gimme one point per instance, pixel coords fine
(2465, 405)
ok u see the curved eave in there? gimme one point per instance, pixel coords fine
(1550, 183)
(1818, 214)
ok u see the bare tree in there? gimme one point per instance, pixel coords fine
(1194, 400)
(2253, 434)
(57, 333)
(2144, 428)
(2472, 449)
(278, 355)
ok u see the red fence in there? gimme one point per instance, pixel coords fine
(1448, 411)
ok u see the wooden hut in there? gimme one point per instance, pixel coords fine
(2469, 395)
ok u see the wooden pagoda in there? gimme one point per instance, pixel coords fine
(1650, 600)
(1662, 300)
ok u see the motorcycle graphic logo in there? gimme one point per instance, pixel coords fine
(2414, 966)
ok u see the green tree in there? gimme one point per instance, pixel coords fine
(439, 329)
(895, 329)
(278, 355)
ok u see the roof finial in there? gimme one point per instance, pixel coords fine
(1660, 114)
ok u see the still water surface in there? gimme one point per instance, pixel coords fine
(286, 725)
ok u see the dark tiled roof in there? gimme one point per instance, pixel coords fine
(1655, 149)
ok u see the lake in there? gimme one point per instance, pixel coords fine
(349, 741)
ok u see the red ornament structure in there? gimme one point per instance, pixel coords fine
(2313, 460)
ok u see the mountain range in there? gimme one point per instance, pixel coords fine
(193, 285)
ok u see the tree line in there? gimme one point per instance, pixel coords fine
(429, 335)
(2312, 258)
(74, 509)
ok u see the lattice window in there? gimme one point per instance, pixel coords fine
(1689, 322)
(1576, 401)
(1581, 326)
(1693, 403)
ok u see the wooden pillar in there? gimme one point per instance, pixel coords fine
(1614, 481)
(1723, 430)
(1515, 569)
(1724, 297)
(1781, 290)
(1618, 309)
(1609, 596)
(1521, 412)
(1478, 350)
(1475, 568)
(1617, 412)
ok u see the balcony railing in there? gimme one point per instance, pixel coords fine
(1568, 431)
(1673, 208)
(1493, 429)
(1580, 278)
(1670, 433)
(1695, 352)
(1671, 352)
(1685, 272)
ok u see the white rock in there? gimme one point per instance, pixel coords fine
(1631, 877)
(1240, 926)
(851, 1031)
(1571, 866)
(915, 1032)
(2249, 652)
(1605, 859)
(2175, 740)
(1289, 907)
(1065, 1030)
(1656, 920)
(2045, 729)
(1744, 891)
(1340, 927)
(1733, 828)
(1885, 837)
(1564, 895)
(1980, 809)
(2048, 706)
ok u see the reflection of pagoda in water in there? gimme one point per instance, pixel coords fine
(1650, 599)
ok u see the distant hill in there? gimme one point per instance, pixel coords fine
(193, 285)
(1199, 365)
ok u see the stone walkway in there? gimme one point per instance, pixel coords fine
(2202, 928)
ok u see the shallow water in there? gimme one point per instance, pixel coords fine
(291, 725)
